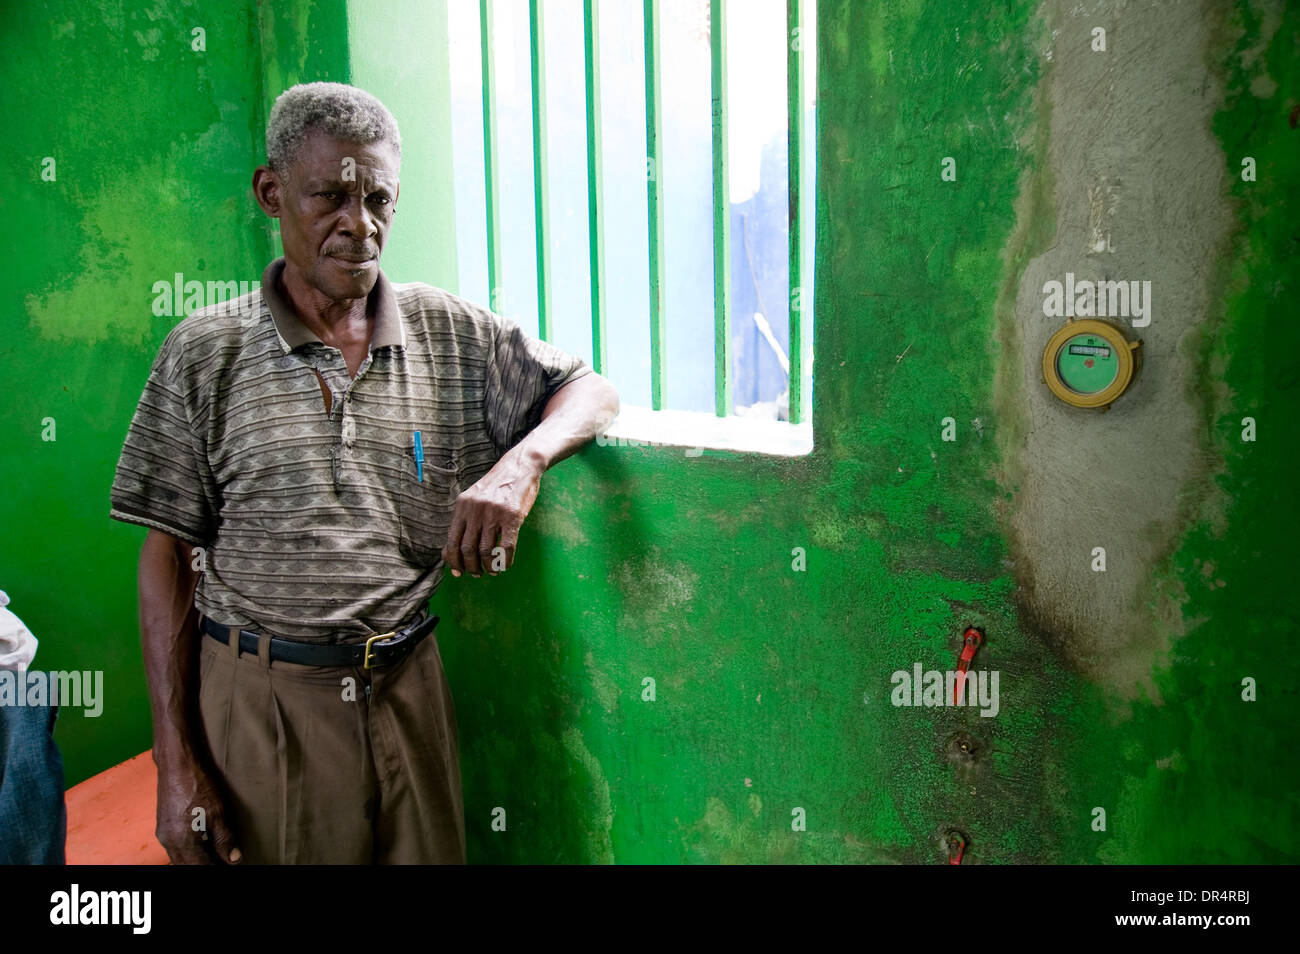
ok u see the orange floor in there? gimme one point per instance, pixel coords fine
(111, 816)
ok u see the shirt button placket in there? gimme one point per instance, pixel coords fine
(349, 422)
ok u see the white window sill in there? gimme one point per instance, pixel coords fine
(695, 431)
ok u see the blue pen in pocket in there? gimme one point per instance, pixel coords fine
(419, 458)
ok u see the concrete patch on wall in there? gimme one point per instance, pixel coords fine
(556, 518)
(603, 686)
(732, 832)
(599, 818)
(1137, 183)
(107, 292)
(652, 585)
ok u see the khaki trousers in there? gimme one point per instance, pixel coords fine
(334, 765)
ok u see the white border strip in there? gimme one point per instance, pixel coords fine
(639, 426)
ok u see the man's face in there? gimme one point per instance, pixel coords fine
(335, 205)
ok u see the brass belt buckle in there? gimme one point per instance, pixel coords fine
(370, 642)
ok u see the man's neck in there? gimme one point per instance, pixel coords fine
(329, 320)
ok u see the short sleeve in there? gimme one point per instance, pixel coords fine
(522, 375)
(162, 479)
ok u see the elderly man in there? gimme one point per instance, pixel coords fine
(307, 461)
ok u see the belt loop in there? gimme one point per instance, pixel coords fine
(232, 634)
(264, 650)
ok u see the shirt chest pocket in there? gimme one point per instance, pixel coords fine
(424, 507)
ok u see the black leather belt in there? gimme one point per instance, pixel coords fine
(382, 649)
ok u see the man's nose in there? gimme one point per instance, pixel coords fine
(357, 221)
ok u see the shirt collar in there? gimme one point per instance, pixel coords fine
(292, 332)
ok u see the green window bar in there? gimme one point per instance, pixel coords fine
(541, 197)
(490, 167)
(595, 186)
(654, 202)
(794, 97)
(721, 212)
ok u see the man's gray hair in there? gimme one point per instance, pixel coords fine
(344, 112)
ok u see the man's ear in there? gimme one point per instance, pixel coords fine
(268, 190)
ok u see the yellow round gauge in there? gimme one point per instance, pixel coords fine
(1089, 363)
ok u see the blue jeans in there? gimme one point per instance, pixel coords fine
(33, 817)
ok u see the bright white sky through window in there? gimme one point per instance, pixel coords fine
(757, 129)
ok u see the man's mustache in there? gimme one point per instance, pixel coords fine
(352, 251)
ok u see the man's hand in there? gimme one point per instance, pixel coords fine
(191, 820)
(490, 514)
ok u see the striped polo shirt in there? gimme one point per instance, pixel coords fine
(315, 525)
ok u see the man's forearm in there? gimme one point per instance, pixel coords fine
(573, 416)
(490, 513)
(168, 624)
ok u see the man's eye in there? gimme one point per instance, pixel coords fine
(328, 195)
(380, 198)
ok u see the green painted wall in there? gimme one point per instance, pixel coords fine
(155, 145)
(393, 47)
(772, 686)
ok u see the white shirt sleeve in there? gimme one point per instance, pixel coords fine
(17, 644)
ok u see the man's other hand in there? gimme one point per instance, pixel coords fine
(489, 515)
(193, 837)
